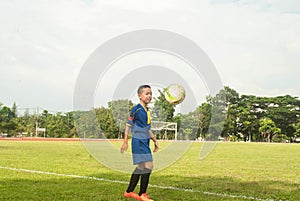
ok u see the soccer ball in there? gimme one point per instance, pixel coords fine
(174, 94)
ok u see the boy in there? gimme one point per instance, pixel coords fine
(139, 123)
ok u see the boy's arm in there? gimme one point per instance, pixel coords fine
(153, 138)
(125, 142)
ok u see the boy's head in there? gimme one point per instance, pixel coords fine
(140, 89)
(145, 94)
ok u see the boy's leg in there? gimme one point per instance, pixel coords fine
(145, 175)
(135, 176)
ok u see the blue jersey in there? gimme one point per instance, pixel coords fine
(139, 121)
(139, 116)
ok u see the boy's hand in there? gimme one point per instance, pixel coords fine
(155, 147)
(124, 147)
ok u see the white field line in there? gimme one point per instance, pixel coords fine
(123, 182)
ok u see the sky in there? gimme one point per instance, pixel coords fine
(254, 44)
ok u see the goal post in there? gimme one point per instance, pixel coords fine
(163, 125)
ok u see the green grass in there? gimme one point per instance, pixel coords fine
(265, 171)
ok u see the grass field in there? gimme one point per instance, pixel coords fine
(33, 170)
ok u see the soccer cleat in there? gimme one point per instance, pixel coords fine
(131, 195)
(145, 197)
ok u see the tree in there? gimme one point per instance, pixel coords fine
(189, 125)
(268, 129)
(57, 125)
(162, 110)
(297, 129)
(7, 125)
(112, 120)
(14, 110)
(72, 130)
(61, 127)
(86, 124)
(120, 110)
(231, 107)
(218, 114)
(284, 111)
(27, 123)
(247, 122)
(204, 112)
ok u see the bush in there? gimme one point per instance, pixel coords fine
(280, 138)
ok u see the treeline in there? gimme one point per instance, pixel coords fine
(29, 125)
(247, 117)
(227, 115)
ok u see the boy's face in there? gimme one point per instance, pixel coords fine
(146, 95)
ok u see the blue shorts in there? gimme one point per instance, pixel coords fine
(140, 146)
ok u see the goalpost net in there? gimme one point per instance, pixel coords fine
(166, 126)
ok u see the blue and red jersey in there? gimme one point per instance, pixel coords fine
(139, 116)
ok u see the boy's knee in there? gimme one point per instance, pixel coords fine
(137, 171)
(146, 165)
(141, 166)
(149, 165)
(146, 171)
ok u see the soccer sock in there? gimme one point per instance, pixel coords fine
(135, 177)
(144, 180)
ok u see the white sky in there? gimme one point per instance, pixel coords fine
(254, 44)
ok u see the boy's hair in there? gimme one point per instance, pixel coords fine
(140, 89)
